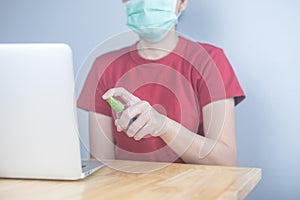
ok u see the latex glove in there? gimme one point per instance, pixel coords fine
(148, 121)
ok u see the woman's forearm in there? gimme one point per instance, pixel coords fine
(194, 148)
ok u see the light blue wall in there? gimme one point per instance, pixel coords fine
(260, 37)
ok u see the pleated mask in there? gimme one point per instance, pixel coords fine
(151, 19)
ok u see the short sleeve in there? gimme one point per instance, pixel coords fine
(90, 98)
(103, 75)
(218, 80)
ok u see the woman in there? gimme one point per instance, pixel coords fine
(182, 92)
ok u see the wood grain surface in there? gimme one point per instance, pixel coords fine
(153, 181)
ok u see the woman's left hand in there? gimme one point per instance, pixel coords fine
(148, 121)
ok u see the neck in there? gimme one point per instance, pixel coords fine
(155, 51)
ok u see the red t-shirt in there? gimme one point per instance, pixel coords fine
(178, 85)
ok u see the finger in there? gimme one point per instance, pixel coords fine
(111, 92)
(119, 129)
(132, 112)
(123, 93)
(138, 124)
(145, 130)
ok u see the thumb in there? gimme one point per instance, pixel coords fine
(128, 98)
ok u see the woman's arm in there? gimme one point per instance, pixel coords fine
(217, 147)
(101, 136)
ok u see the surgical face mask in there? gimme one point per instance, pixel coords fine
(151, 19)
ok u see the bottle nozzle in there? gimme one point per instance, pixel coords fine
(115, 104)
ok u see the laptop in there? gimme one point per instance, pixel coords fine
(39, 136)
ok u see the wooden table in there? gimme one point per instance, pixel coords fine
(173, 181)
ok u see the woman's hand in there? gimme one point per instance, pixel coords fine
(148, 121)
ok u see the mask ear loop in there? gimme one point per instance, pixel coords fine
(179, 12)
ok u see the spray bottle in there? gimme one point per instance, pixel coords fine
(118, 107)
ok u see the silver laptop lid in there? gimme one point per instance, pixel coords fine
(38, 131)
